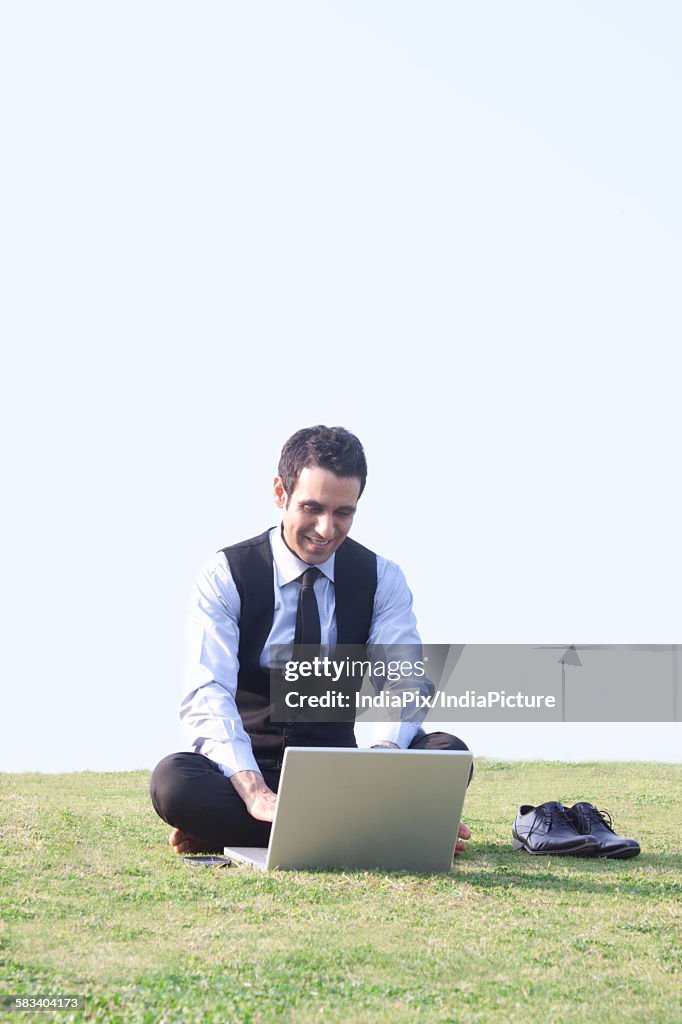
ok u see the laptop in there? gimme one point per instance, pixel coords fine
(396, 810)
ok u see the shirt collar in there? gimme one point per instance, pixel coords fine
(289, 566)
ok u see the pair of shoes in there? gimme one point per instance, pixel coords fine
(581, 831)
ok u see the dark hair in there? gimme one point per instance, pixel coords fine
(332, 448)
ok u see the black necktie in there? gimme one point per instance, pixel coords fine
(307, 614)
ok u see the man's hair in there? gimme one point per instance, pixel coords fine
(332, 448)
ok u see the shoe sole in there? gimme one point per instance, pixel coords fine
(582, 850)
(622, 853)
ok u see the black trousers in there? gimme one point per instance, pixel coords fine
(190, 792)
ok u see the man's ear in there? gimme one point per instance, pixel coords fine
(280, 493)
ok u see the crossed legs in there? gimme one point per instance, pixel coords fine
(191, 794)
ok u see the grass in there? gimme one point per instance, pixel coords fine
(92, 902)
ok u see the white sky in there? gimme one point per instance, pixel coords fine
(453, 228)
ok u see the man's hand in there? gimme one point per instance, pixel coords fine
(259, 798)
(463, 834)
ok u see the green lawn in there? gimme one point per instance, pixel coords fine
(93, 903)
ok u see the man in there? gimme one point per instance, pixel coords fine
(305, 575)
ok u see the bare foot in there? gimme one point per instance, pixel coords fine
(463, 834)
(183, 842)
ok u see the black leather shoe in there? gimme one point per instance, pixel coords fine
(587, 818)
(548, 829)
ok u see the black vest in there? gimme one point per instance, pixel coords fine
(355, 582)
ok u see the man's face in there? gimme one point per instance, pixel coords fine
(319, 513)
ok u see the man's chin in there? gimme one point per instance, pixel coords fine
(313, 554)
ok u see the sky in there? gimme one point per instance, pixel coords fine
(453, 228)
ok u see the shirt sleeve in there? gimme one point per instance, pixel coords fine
(208, 710)
(394, 631)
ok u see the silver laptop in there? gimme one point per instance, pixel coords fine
(345, 808)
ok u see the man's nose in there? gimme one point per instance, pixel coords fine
(325, 527)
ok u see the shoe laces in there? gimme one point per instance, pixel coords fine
(593, 815)
(551, 816)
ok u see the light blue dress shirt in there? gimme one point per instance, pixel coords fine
(208, 710)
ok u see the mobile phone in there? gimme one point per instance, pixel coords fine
(207, 862)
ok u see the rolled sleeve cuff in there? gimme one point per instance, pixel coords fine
(233, 757)
(401, 733)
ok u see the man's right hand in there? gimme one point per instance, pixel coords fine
(259, 798)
